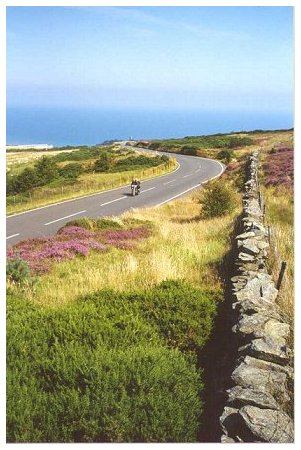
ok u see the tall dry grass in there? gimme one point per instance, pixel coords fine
(280, 218)
(182, 247)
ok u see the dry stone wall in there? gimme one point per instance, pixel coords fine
(257, 396)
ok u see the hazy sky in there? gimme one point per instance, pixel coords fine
(237, 58)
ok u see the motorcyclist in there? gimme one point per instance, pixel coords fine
(136, 183)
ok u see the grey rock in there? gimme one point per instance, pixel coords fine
(258, 287)
(245, 235)
(266, 365)
(262, 245)
(251, 325)
(268, 381)
(239, 278)
(249, 246)
(252, 225)
(268, 349)
(278, 331)
(268, 425)
(239, 396)
(245, 256)
(261, 325)
(257, 305)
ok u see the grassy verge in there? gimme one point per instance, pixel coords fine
(87, 184)
(103, 347)
(181, 247)
(280, 217)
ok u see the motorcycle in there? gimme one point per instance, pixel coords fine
(135, 189)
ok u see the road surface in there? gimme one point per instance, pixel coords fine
(45, 221)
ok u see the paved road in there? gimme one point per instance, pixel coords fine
(47, 220)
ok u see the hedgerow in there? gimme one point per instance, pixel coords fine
(108, 368)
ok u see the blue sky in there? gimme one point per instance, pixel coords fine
(210, 58)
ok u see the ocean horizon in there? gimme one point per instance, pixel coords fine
(90, 126)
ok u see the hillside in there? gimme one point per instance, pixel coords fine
(113, 324)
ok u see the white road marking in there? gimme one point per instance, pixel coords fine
(178, 195)
(13, 235)
(66, 217)
(189, 175)
(197, 170)
(167, 182)
(112, 201)
(149, 189)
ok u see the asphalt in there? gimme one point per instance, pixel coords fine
(45, 221)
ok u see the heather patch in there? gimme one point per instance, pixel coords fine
(279, 168)
(72, 241)
(77, 231)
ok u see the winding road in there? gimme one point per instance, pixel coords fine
(46, 220)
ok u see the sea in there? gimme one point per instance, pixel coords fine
(90, 126)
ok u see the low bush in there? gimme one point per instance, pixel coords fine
(225, 155)
(189, 150)
(218, 200)
(71, 171)
(182, 314)
(44, 171)
(137, 162)
(104, 163)
(107, 368)
(17, 270)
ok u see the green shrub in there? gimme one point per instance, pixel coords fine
(164, 158)
(104, 163)
(218, 200)
(152, 146)
(237, 141)
(189, 150)
(108, 368)
(46, 170)
(71, 171)
(17, 270)
(225, 155)
(182, 314)
(138, 394)
(107, 224)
